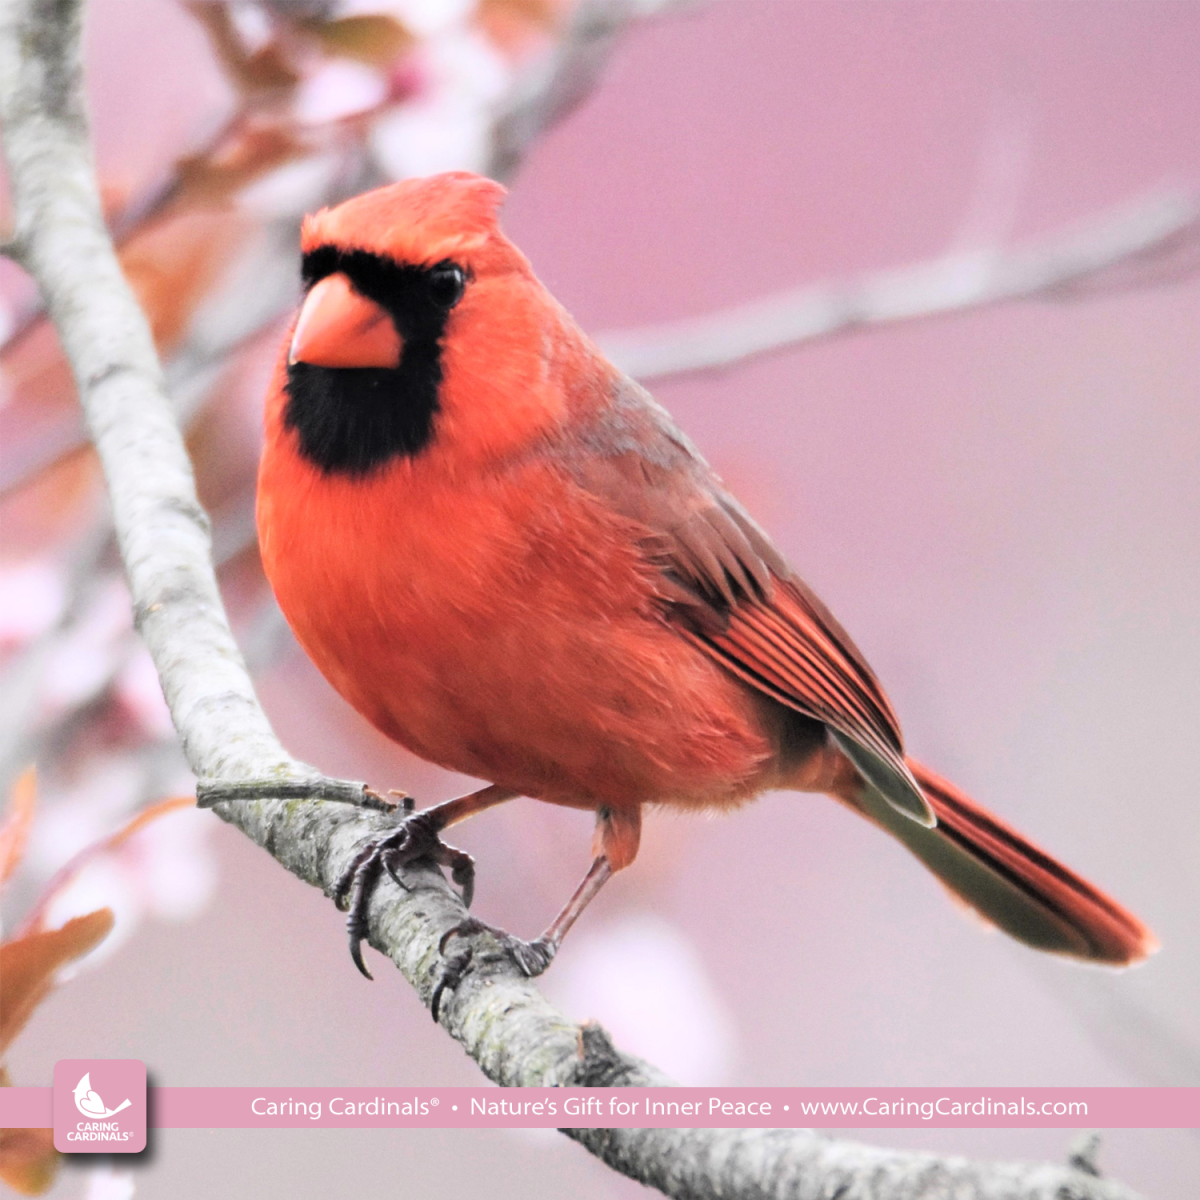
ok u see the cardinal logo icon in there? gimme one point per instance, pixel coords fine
(102, 1130)
(89, 1102)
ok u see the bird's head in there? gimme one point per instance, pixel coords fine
(423, 331)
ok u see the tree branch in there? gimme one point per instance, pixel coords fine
(498, 1016)
(1140, 243)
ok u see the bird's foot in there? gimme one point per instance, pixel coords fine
(415, 838)
(531, 958)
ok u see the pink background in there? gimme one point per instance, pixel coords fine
(1002, 507)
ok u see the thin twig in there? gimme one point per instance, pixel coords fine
(497, 1015)
(1141, 243)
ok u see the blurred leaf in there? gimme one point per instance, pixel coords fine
(28, 1159)
(28, 965)
(114, 199)
(264, 70)
(372, 38)
(69, 870)
(148, 814)
(17, 821)
(210, 178)
(542, 13)
(268, 70)
(173, 262)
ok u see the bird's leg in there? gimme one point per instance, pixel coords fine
(615, 846)
(534, 957)
(415, 837)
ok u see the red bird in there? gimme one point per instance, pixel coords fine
(505, 556)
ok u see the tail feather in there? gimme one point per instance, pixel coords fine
(1009, 881)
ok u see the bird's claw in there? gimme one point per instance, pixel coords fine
(532, 958)
(453, 972)
(414, 838)
(463, 873)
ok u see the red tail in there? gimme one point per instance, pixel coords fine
(1009, 881)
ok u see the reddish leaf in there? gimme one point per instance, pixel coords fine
(372, 38)
(151, 813)
(265, 70)
(28, 965)
(66, 873)
(543, 13)
(173, 263)
(17, 821)
(214, 176)
(28, 1160)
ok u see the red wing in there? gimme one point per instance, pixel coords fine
(733, 595)
(781, 647)
(782, 640)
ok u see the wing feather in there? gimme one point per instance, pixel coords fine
(731, 593)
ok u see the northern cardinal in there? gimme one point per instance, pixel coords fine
(505, 556)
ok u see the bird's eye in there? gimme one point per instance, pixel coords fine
(446, 283)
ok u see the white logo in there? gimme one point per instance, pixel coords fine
(89, 1102)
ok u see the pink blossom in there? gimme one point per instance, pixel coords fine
(31, 600)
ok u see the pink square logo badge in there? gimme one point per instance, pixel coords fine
(100, 1105)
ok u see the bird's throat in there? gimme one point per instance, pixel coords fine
(351, 421)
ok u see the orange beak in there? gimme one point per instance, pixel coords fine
(339, 327)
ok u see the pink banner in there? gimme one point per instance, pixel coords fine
(26, 1107)
(694, 1108)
